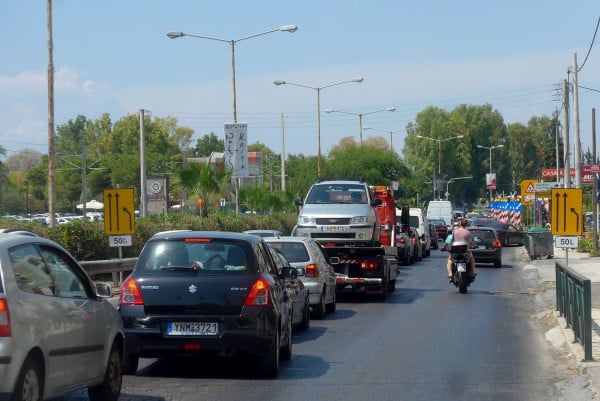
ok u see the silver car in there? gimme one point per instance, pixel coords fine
(58, 332)
(319, 276)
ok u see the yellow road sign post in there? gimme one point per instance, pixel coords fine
(567, 209)
(119, 211)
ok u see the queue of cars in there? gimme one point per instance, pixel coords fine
(190, 293)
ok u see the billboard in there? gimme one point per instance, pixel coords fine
(587, 173)
(490, 180)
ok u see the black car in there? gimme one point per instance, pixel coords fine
(194, 292)
(508, 234)
(489, 250)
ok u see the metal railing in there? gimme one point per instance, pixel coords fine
(114, 266)
(574, 302)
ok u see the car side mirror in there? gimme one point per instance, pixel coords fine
(376, 202)
(300, 271)
(298, 202)
(104, 290)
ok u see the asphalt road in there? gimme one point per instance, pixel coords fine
(425, 342)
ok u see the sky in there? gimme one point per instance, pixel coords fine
(113, 56)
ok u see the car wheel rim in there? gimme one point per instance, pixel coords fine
(31, 386)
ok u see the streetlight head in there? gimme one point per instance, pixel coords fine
(460, 136)
(358, 80)
(480, 147)
(175, 35)
(390, 109)
(289, 28)
(329, 110)
(500, 146)
(279, 83)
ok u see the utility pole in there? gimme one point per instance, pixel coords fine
(577, 146)
(143, 206)
(51, 161)
(594, 188)
(567, 154)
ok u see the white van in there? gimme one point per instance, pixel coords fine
(419, 220)
(440, 210)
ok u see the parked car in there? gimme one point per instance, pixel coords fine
(58, 332)
(295, 290)
(319, 276)
(194, 292)
(264, 233)
(508, 234)
(441, 228)
(433, 236)
(489, 249)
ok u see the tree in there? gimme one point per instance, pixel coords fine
(23, 160)
(208, 144)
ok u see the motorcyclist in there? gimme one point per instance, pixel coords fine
(461, 234)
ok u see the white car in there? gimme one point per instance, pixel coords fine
(318, 276)
(58, 332)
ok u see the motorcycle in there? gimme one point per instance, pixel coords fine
(462, 275)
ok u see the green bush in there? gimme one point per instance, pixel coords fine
(86, 240)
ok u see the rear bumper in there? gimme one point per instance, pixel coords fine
(251, 332)
(346, 284)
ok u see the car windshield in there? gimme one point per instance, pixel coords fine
(294, 252)
(337, 193)
(209, 257)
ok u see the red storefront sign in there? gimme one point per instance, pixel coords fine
(587, 173)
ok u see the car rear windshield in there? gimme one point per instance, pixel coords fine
(213, 257)
(294, 252)
(487, 235)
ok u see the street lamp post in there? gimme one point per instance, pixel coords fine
(490, 150)
(318, 90)
(360, 117)
(387, 132)
(232, 42)
(439, 141)
(451, 180)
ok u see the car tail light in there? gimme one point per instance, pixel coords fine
(4, 318)
(130, 293)
(312, 270)
(402, 240)
(368, 264)
(259, 293)
(496, 244)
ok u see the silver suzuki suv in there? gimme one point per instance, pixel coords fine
(339, 211)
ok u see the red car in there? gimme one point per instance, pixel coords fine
(440, 227)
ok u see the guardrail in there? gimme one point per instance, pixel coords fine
(116, 267)
(574, 302)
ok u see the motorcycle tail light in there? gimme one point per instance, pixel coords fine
(496, 244)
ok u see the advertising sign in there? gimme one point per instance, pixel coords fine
(236, 149)
(587, 173)
(490, 180)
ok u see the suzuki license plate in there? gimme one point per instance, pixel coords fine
(192, 329)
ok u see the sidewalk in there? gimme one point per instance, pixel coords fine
(561, 336)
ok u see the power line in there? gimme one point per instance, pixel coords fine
(591, 45)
